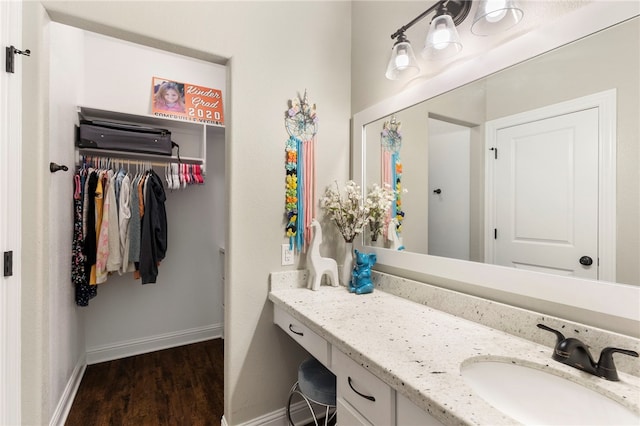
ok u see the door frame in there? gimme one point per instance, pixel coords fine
(10, 216)
(459, 128)
(605, 102)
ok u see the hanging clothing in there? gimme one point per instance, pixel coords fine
(134, 223)
(120, 224)
(153, 242)
(124, 217)
(83, 291)
(103, 228)
(114, 259)
(90, 240)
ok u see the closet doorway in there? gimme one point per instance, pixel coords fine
(97, 72)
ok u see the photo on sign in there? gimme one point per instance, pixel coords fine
(168, 96)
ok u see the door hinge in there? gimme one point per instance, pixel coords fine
(495, 233)
(495, 152)
(8, 263)
(10, 58)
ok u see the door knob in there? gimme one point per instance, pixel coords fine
(586, 261)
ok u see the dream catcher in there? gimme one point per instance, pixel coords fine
(390, 143)
(301, 123)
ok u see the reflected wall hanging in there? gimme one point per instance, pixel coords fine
(391, 167)
(301, 123)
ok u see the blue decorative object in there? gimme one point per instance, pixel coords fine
(361, 276)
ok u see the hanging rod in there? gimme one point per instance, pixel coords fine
(137, 156)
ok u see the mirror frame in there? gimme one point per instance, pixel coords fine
(591, 295)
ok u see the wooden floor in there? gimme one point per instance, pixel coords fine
(178, 386)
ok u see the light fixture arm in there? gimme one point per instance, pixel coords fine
(458, 9)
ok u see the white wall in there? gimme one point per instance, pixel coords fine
(66, 341)
(276, 49)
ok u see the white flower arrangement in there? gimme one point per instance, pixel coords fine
(351, 214)
(348, 213)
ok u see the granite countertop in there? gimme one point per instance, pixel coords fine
(418, 350)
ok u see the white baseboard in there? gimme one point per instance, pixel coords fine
(299, 413)
(66, 400)
(153, 343)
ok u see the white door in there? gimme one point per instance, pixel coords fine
(546, 195)
(10, 224)
(448, 190)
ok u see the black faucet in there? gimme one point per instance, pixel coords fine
(573, 352)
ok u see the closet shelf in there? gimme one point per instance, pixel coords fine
(190, 135)
(146, 119)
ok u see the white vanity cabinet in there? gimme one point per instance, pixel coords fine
(314, 344)
(362, 397)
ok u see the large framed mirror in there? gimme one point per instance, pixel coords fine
(581, 66)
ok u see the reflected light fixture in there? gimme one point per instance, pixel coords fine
(442, 39)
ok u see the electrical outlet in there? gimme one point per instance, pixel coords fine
(287, 255)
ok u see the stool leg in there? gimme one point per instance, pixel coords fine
(291, 392)
(294, 390)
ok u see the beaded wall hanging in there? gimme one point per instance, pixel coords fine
(301, 123)
(391, 167)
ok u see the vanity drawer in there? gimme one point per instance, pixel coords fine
(407, 413)
(370, 396)
(348, 415)
(314, 344)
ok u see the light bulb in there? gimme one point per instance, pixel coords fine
(441, 37)
(495, 10)
(402, 60)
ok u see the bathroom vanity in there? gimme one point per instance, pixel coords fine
(398, 361)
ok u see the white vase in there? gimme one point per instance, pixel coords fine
(346, 266)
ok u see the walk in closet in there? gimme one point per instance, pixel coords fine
(96, 76)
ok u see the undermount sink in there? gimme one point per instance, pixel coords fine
(532, 396)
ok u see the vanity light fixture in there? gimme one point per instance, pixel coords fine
(442, 39)
(403, 63)
(494, 16)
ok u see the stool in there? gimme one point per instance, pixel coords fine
(315, 384)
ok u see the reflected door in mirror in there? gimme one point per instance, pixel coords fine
(449, 189)
(546, 195)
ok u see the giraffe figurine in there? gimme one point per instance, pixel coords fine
(319, 265)
(392, 235)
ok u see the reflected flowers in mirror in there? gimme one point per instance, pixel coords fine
(378, 205)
